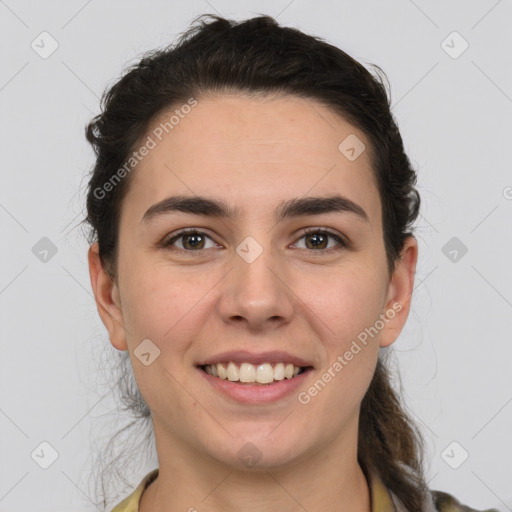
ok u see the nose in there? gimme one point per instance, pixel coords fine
(256, 294)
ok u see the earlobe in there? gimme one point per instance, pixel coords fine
(399, 295)
(106, 294)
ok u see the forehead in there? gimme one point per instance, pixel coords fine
(234, 126)
(253, 150)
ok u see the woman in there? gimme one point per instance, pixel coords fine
(251, 209)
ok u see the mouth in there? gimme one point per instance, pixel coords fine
(246, 373)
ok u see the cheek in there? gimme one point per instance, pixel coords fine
(344, 312)
(347, 304)
(166, 309)
(158, 304)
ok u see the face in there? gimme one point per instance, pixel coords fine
(249, 285)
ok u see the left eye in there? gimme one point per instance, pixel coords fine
(320, 238)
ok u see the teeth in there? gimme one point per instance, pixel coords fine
(232, 372)
(263, 373)
(279, 371)
(247, 372)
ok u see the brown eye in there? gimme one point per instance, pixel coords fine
(190, 240)
(318, 240)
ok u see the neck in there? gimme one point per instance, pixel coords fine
(328, 479)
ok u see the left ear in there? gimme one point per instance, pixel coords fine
(400, 288)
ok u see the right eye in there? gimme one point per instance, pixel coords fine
(191, 240)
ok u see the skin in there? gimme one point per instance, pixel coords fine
(253, 153)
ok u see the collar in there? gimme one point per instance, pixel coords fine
(381, 498)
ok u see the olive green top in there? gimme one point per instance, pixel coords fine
(382, 500)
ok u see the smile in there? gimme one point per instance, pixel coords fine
(265, 373)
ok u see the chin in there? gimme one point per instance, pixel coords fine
(256, 452)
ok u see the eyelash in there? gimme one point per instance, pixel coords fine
(343, 244)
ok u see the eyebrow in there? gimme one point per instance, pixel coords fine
(298, 207)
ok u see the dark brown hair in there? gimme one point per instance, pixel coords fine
(251, 57)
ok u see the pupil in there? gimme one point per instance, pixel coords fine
(194, 236)
(317, 236)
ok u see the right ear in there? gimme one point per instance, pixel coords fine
(106, 294)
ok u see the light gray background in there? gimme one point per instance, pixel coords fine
(455, 115)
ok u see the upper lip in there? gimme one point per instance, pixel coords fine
(241, 356)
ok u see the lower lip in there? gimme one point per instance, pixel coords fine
(256, 393)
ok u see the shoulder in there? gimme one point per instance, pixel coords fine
(444, 502)
(385, 500)
(131, 502)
